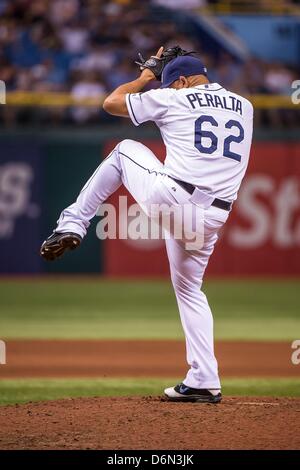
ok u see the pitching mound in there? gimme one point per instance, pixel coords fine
(151, 423)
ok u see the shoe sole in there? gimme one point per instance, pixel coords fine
(56, 250)
(195, 399)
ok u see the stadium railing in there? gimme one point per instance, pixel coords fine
(49, 99)
(253, 6)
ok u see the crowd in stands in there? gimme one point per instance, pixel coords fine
(88, 48)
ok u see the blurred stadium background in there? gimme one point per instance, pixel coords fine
(58, 60)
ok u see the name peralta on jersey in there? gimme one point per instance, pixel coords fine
(207, 131)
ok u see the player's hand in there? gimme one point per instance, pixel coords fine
(147, 73)
(159, 53)
(156, 63)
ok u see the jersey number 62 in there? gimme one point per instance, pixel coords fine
(200, 134)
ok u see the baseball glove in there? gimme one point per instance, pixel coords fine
(157, 64)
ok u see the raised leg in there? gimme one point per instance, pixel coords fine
(130, 163)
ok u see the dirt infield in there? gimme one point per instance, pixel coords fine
(150, 423)
(40, 358)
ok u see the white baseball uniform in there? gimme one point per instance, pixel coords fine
(207, 131)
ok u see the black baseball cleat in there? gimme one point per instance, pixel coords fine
(182, 392)
(55, 245)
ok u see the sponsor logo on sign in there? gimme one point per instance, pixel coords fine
(15, 196)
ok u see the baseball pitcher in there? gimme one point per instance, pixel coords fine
(207, 132)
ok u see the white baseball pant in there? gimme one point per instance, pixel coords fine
(134, 165)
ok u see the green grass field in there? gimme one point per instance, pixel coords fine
(97, 308)
(22, 391)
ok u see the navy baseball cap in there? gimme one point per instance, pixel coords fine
(181, 66)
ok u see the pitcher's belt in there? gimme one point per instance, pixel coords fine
(190, 188)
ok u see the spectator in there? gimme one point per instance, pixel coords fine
(100, 58)
(278, 79)
(125, 72)
(47, 76)
(181, 5)
(61, 12)
(89, 85)
(45, 43)
(75, 38)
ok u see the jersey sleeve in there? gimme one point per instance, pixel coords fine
(149, 106)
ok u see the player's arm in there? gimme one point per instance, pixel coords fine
(115, 103)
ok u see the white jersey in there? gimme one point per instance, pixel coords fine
(207, 131)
